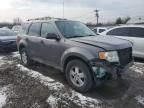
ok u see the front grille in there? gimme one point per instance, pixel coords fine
(125, 56)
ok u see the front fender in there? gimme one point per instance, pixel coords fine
(76, 52)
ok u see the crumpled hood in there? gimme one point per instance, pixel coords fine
(104, 42)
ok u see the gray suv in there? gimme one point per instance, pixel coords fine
(73, 48)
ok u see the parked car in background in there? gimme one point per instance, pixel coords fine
(7, 40)
(73, 48)
(17, 29)
(5, 27)
(99, 30)
(133, 33)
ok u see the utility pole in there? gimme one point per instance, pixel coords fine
(97, 15)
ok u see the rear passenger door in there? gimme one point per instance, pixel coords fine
(34, 40)
(137, 36)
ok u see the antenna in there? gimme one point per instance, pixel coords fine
(63, 9)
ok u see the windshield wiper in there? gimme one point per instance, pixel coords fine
(91, 35)
(75, 36)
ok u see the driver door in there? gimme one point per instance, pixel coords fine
(51, 48)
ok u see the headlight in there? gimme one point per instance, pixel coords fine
(111, 56)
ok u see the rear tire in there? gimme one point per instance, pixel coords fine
(25, 59)
(79, 76)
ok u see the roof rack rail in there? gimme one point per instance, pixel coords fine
(46, 18)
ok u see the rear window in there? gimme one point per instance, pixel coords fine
(34, 29)
(4, 32)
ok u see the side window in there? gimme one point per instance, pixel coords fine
(101, 30)
(137, 32)
(95, 30)
(47, 28)
(34, 29)
(119, 32)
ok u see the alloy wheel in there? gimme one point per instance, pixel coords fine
(77, 76)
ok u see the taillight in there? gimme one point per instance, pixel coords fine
(18, 39)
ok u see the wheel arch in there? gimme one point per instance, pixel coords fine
(73, 57)
(79, 54)
(21, 45)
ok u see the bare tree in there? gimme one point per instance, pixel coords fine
(125, 20)
(119, 21)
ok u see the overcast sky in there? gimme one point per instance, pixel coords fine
(82, 10)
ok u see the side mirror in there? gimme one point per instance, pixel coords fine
(52, 36)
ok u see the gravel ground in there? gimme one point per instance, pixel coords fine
(40, 86)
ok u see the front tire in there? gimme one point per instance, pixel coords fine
(25, 59)
(79, 76)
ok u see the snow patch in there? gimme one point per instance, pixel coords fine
(16, 54)
(138, 63)
(1, 57)
(1, 60)
(77, 98)
(72, 95)
(83, 101)
(47, 81)
(3, 96)
(140, 100)
(138, 68)
(138, 71)
(52, 101)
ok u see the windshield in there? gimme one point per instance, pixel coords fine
(6, 32)
(73, 29)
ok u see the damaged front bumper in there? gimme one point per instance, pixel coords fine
(103, 70)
